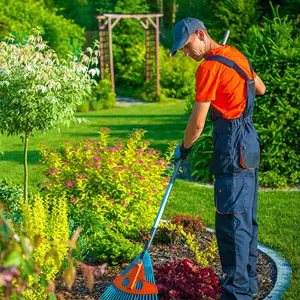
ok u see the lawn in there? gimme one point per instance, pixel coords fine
(165, 123)
(278, 210)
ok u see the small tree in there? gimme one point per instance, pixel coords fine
(38, 91)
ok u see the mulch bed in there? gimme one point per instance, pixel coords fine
(160, 253)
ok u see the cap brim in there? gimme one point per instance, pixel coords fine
(178, 46)
(173, 53)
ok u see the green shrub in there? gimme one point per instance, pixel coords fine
(117, 187)
(21, 17)
(102, 96)
(84, 106)
(177, 76)
(275, 56)
(11, 196)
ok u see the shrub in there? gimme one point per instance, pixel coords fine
(182, 279)
(63, 34)
(204, 251)
(84, 106)
(11, 196)
(177, 76)
(17, 267)
(117, 187)
(189, 223)
(102, 96)
(45, 223)
(275, 55)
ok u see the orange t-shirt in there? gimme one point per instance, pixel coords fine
(222, 85)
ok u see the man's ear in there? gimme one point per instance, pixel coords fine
(200, 34)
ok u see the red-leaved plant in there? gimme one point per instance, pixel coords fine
(182, 279)
(190, 224)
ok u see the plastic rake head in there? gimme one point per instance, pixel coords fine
(136, 282)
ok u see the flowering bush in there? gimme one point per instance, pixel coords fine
(182, 279)
(112, 190)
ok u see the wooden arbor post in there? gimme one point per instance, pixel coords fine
(107, 22)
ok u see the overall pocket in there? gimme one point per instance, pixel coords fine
(230, 195)
(249, 151)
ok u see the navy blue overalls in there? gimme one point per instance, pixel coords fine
(235, 164)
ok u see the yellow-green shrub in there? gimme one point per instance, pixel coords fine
(45, 223)
(203, 254)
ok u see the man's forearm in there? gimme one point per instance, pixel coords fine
(192, 133)
(196, 123)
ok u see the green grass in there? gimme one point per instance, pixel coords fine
(278, 217)
(164, 122)
(278, 212)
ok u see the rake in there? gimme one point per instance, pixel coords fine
(137, 281)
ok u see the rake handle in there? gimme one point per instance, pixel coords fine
(162, 206)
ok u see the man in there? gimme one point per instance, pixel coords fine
(226, 84)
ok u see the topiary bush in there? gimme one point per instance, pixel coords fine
(113, 191)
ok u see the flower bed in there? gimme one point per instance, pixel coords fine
(160, 254)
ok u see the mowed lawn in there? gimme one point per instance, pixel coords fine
(165, 123)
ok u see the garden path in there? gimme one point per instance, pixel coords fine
(127, 101)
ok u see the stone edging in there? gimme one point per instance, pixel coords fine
(283, 271)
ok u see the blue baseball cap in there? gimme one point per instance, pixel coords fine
(182, 31)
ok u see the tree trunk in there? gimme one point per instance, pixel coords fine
(26, 167)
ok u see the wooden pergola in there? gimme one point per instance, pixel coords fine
(106, 24)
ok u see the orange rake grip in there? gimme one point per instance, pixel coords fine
(135, 275)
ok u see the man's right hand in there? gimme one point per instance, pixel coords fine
(181, 152)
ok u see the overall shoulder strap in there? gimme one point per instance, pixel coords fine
(230, 63)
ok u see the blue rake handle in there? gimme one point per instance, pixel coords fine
(162, 208)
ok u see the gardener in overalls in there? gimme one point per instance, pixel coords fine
(226, 84)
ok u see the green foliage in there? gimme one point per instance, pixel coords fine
(18, 268)
(114, 247)
(38, 91)
(187, 229)
(11, 196)
(177, 76)
(1, 151)
(218, 16)
(103, 96)
(237, 16)
(84, 106)
(129, 45)
(118, 187)
(201, 154)
(45, 220)
(21, 17)
(275, 56)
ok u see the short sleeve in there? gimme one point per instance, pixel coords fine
(206, 85)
